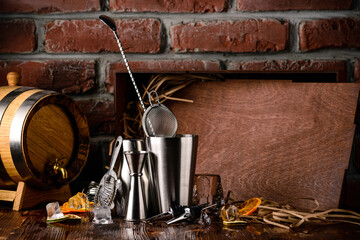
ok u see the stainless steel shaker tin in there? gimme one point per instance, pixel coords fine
(174, 161)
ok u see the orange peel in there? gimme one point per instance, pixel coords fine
(233, 212)
(249, 206)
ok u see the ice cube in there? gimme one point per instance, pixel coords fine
(102, 215)
(53, 210)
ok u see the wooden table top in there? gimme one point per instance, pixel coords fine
(31, 224)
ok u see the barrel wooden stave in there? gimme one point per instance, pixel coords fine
(37, 127)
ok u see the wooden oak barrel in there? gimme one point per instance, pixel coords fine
(44, 138)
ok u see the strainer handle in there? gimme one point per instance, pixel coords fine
(115, 153)
(157, 97)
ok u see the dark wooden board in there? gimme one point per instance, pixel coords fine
(272, 139)
(32, 225)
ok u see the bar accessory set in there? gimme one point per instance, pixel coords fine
(155, 174)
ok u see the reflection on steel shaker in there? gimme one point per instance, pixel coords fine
(174, 160)
(168, 173)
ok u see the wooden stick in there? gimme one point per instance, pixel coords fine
(179, 99)
(7, 195)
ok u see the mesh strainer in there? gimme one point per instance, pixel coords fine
(108, 186)
(159, 118)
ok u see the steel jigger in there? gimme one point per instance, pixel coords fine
(136, 208)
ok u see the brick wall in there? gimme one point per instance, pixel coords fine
(62, 45)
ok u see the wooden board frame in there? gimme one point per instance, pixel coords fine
(25, 196)
(124, 90)
(123, 87)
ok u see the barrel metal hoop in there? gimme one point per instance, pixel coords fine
(16, 131)
(4, 103)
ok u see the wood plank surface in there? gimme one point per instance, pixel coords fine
(32, 225)
(272, 139)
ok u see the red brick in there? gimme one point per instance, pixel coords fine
(292, 65)
(41, 6)
(100, 115)
(357, 71)
(252, 35)
(276, 5)
(136, 35)
(66, 76)
(174, 6)
(17, 36)
(329, 33)
(159, 66)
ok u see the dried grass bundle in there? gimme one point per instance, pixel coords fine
(286, 216)
(166, 85)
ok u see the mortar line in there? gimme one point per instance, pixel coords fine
(323, 14)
